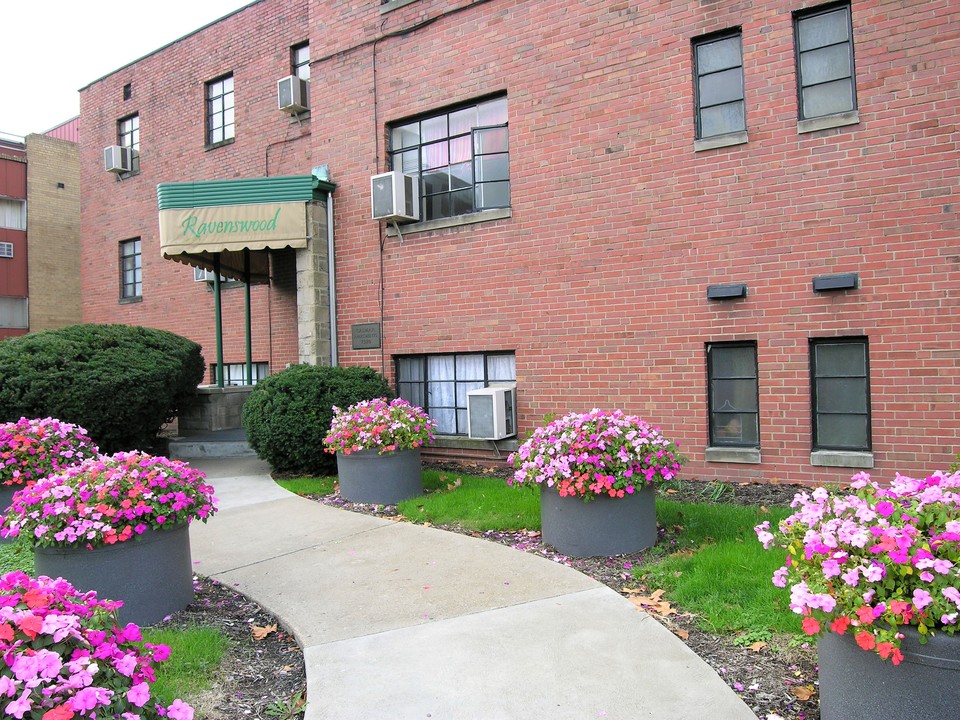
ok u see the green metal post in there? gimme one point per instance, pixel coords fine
(246, 280)
(217, 319)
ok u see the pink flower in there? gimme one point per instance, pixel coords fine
(139, 694)
(921, 598)
(179, 710)
(19, 707)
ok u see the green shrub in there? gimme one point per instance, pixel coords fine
(288, 414)
(120, 382)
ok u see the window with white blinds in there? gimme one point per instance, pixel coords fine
(13, 214)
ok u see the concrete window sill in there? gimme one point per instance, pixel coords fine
(841, 458)
(733, 455)
(828, 121)
(457, 221)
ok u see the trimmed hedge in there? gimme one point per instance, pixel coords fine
(288, 414)
(119, 382)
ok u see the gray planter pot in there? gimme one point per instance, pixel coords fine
(152, 574)
(603, 526)
(6, 497)
(367, 477)
(857, 685)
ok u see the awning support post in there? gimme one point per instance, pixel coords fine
(217, 317)
(246, 287)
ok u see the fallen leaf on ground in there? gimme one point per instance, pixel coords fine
(653, 603)
(261, 631)
(671, 491)
(803, 692)
(757, 646)
(682, 634)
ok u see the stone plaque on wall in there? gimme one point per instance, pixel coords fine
(366, 336)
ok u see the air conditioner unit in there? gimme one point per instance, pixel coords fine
(492, 413)
(395, 196)
(201, 275)
(292, 94)
(118, 159)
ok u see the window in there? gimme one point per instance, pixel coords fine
(236, 373)
(13, 214)
(220, 110)
(462, 158)
(300, 60)
(718, 74)
(825, 72)
(128, 135)
(6, 250)
(841, 394)
(131, 281)
(732, 394)
(439, 383)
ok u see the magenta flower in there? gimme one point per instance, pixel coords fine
(896, 550)
(381, 425)
(595, 453)
(93, 670)
(107, 500)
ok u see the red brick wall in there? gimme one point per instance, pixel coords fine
(168, 93)
(13, 271)
(598, 281)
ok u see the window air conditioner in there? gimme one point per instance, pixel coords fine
(118, 159)
(201, 275)
(292, 94)
(395, 196)
(492, 413)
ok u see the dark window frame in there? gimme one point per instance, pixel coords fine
(816, 412)
(715, 415)
(131, 290)
(215, 90)
(297, 64)
(129, 136)
(425, 383)
(697, 43)
(241, 369)
(798, 18)
(474, 187)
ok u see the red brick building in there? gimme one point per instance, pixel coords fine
(736, 219)
(39, 230)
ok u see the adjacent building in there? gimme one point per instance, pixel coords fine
(738, 220)
(39, 230)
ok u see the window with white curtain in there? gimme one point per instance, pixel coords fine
(440, 383)
(13, 214)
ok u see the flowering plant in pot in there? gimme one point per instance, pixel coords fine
(32, 448)
(595, 454)
(379, 424)
(596, 472)
(64, 656)
(874, 561)
(377, 443)
(109, 499)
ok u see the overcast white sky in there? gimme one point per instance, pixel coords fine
(52, 48)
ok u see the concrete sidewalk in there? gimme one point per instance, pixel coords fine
(398, 621)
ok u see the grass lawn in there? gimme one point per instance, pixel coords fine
(473, 503)
(721, 571)
(195, 654)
